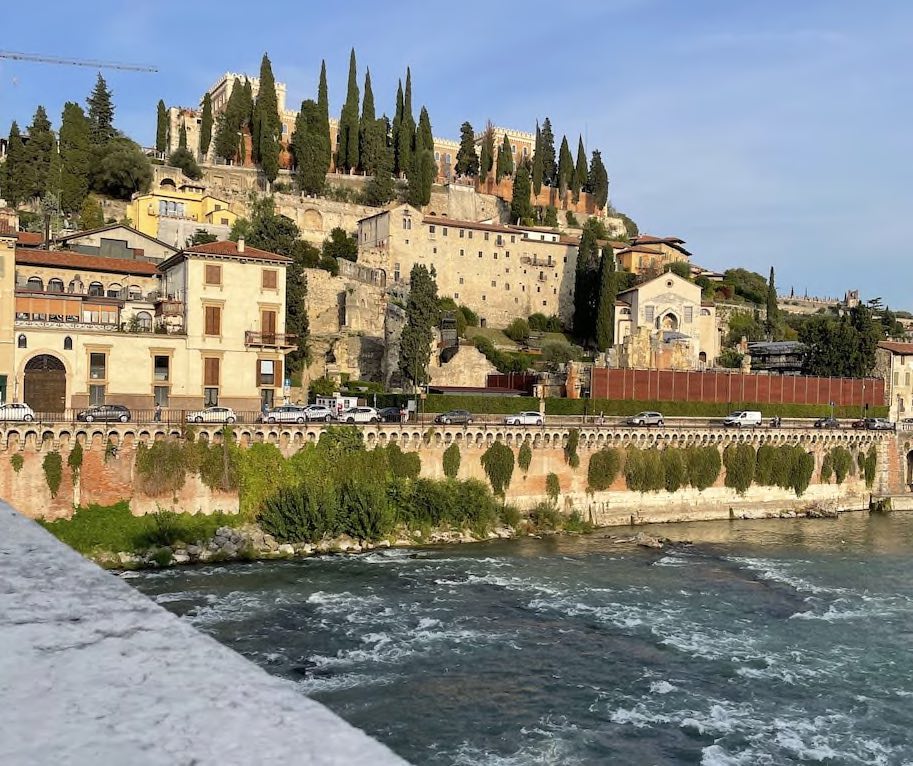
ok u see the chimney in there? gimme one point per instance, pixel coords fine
(240, 244)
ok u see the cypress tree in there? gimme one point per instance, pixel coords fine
(182, 136)
(565, 167)
(423, 171)
(347, 146)
(773, 310)
(366, 127)
(161, 127)
(521, 208)
(323, 108)
(580, 171)
(487, 155)
(74, 158)
(206, 126)
(598, 180)
(505, 160)
(101, 113)
(39, 150)
(585, 285)
(225, 143)
(16, 181)
(422, 314)
(379, 189)
(608, 292)
(537, 163)
(246, 121)
(307, 147)
(549, 168)
(406, 137)
(395, 128)
(467, 161)
(266, 122)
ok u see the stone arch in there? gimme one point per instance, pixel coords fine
(909, 476)
(45, 383)
(312, 219)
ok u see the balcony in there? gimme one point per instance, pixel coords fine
(277, 340)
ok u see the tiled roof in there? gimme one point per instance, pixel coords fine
(896, 347)
(29, 238)
(88, 232)
(230, 249)
(440, 220)
(648, 239)
(641, 249)
(70, 260)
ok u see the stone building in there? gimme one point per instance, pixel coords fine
(500, 272)
(663, 324)
(894, 363)
(117, 240)
(176, 208)
(646, 254)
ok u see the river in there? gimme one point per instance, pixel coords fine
(762, 642)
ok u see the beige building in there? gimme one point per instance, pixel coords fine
(647, 255)
(116, 240)
(894, 363)
(662, 324)
(500, 272)
(205, 326)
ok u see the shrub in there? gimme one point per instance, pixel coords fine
(518, 330)
(498, 462)
(452, 461)
(634, 469)
(653, 470)
(431, 503)
(674, 469)
(160, 469)
(17, 461)
(570, 447)
(217, 464)
(304, 513)
(740, 461)
(764, 462)
(510, 515)
(525, 456)
(74, 460)
(545, 517)
(869, 466)
(53, 471)
(542, 323)
(576, 523)
(704, 466)
(603, 469)
(842, 461)
(365, 509)
(803, 466)
(476, 505)
(165, 527)
(559, 352)
(261, 472)
(337, 441)
(827, 468)
(552, 487)
(404, 465)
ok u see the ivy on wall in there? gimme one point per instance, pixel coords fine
(53, 471)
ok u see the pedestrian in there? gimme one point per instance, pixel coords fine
(402, 414)
(264, 411)
(158, 413)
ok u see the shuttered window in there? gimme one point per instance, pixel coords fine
(213, 320)
(269, 372)
(213, 274)
(269, 279)
(211, 371)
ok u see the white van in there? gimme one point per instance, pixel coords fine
(743, 418)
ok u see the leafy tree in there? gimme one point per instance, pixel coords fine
(518, 330)
(549, 167)
(841, 347)
(182, 136)
(747, 284)
(268, 230)
(161, 127)
(743, 324)
(379, 189)
(101, 113)
(206, 125)
(200, 237)
(323, 112)
(183, 159)
(487, 155)
(366, 131)
(395, 128)
(773, 311)
(119, 169)
(267, 127)
(551, 217)
(598, 180)
(308, 149)
(680, 269)
(230, 123)
(74, 158)
(40, 151)
(467, 161)
(521, 208)
(498, 463)
(608, 292)
(17, 171)
(422, 315)
(538, 164)
(347, 144)
(580, 171)
(565, 167)
(559, 352)
(505, 160)
(340, 245)
(91, 215)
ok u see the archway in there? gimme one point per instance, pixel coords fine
(910, 469)
(669, 323)
(45, 388)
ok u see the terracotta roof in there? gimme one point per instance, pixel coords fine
(29, 238)
(229, 248)
(436, 219)
(896, 347)
(7, 231)
(640, 249)
(648, 239)
(87, 232)
(69, 259)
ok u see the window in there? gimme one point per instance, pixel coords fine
(96, 395)
(545, 303)
(160, 367)
(267, 397)
(433, 249)
(210, 397)
(461, 280)
(431, 229)
(407, 222)
(486, 236)
(462, 251)
(55, 285)
(160, 394)
(144, 321)
(507, 253)
(456, 296)
(211, 370)
(266, 372)
(68, 343)
(444, 231)
(35, 283)
(396, 272)
(224, 221)
(507, 285)
(96, 289)
(269, 279)
(21, 342)
(493, 283)
(512, 239)
(114, 290)
(462, 233)
(470, 234)
(483, 297)
(135, 293)
(213, 320)
(480, 253)
(97, 364)
(649, 313)
(212, 274)
(75, 285)
(689, 314)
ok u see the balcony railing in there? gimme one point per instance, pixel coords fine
(270, 339)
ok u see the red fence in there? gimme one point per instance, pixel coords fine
(722, 387)
(518, 381)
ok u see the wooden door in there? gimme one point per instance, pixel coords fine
(45, 384)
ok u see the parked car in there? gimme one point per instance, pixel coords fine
(827, 422)
(530, 418)
(646, 419)
(319, 412)
(212, 415)
(454, 416)
(106, 413)
(878, 424)
(359, 415)
(16, 411)
(390, 414)
(286, 413)
(743, 418)
(859, 423)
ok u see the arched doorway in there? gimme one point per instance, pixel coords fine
(910, 469)
(45, 388)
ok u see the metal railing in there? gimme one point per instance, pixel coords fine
(277, 339)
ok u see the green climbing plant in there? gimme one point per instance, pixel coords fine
(525, 456)
(552, 488)
(17, 461)
(740, 461)
(570, 448)
(74, 460)
(452, 461)
(603, 469)
(498, 463)
(53, 471)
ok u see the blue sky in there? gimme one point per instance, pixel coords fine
(763, 133)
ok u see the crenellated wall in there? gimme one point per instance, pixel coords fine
(107, 473)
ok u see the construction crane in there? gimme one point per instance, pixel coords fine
(91, 63)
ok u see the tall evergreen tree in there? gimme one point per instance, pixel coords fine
(379, 189)
(225, 143)
(268, 127)
(585, 284)
(40, 149)
(323, 108)
(608, 292)
(521, 208)
(487, 153)
(17, 170)
(307, 149)
(406, 137)
(206, 126)
(395, 128)
(537, 172)
(182, 136)
(101, 113)
(549, 167)
(423, 172)
(598, 180)
(74, 158)
(347, 145)
(161, 127)
(366, 126)
(467, 161)
(505, 165)
(580, 171)
(773, 309)
(422, 314)
(565, 167)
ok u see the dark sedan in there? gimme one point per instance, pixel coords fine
(105, 413)
(454, 416)
(389, 414)
(827, 422)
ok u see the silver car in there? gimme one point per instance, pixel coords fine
(646, 419)
(16, 411)
(319, 412)
(524, 419)
(286, 413)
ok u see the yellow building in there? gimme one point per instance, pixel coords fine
(651, 255)
(204, 327)
(176, 209)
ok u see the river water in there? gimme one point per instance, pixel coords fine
(763, 642)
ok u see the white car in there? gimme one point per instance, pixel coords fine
(16, 411)
(286, 413)
(524, 419)
(319, 412)
(359, 415)
(212, 415)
